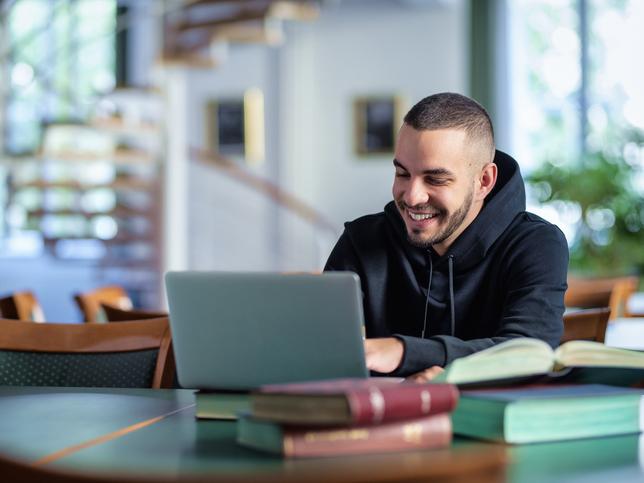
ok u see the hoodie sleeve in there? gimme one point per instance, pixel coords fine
(534, 279)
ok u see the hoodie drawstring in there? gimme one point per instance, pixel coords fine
(451, 292)
(429, 286)
(450, 260)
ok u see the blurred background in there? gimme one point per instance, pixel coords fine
(143, 136)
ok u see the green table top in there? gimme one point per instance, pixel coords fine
(155, 432)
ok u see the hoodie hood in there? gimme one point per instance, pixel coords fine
(435, 274)
(501, 206)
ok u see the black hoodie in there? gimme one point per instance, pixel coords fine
(503, 277)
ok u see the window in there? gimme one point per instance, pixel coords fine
(60, 56)
(578, 122)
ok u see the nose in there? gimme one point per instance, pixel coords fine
(416, 194)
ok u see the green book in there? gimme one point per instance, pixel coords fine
(221, 404)
(532, 414)
(521, 359)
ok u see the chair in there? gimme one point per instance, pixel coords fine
(21, 306)
(587, 324)
(117, 314)
(601, 292)
(128, 354)
(89, 303)
(618, 301)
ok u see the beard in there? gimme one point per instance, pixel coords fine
(454, 221)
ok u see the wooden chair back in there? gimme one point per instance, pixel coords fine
(22, 306)
(618, 301)
(28, 339)
(601, 292)
(117, 314)
(89, 303)
(586, 324)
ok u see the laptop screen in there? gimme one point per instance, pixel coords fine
(239, 330)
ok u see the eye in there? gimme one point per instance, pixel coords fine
(402, 174)
(436, 181)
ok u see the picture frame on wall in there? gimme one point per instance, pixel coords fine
(376, 123)
(235, 126)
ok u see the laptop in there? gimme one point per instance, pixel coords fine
(239, 330)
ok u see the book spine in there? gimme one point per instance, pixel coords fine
(421, 433)
(375, 405)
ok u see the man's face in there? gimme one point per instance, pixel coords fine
(434, 185)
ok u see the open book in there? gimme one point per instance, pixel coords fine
(522, 359)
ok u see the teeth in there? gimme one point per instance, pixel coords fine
(420, 216)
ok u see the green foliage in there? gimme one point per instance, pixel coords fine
(600, 189)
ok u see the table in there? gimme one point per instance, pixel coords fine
(148, 432)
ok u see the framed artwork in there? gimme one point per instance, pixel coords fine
(235, 126)
(376, 123)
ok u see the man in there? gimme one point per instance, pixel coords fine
(454, 264)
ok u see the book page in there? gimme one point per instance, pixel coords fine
(588, 353)
(515, 357)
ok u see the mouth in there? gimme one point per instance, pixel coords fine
(420, 216)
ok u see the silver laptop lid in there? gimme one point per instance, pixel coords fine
(235, 330)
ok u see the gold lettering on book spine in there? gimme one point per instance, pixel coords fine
(377, 401)
(289, 446)
(413, 433)
(425, 402)
(340, 435)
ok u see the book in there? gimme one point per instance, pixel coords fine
(351, 401)
(540, 413)
(523, 358)
(221, 404)
(305, 441)
(544, 462)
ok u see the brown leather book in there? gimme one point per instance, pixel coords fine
(303, 442)
(351, 401)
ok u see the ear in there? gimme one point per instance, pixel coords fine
(486, 180)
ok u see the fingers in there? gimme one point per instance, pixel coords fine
(426, 375)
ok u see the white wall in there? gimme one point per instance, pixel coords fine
(359, 50)
(413, 52)
(231, 226)
(353, 49)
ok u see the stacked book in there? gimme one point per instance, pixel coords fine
(221, 404)
(520, 391)
(348, 416)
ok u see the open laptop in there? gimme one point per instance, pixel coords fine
(237, 331)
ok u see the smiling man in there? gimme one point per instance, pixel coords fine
(454, 264)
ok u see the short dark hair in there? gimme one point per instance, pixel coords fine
(449, 110)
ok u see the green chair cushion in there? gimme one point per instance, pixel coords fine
(107, 369)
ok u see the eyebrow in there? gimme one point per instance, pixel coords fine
(430, 172)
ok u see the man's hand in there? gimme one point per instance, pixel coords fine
(426, 375)
(384, 354)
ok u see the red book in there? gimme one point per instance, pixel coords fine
(351, 401)
(301, 442)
